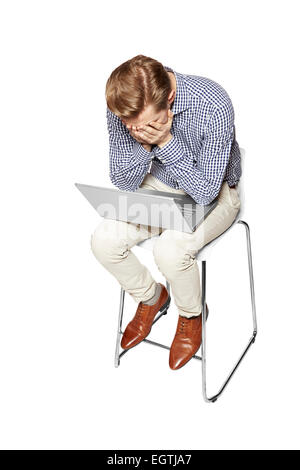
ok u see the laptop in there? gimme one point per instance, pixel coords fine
(148, 207)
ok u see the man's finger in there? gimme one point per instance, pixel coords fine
(146, 137)
(148, 130)
(156, 125)
(136, 134)
(141, 138)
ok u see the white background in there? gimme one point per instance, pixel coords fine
(59, 388)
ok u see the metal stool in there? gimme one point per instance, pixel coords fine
(202, 256)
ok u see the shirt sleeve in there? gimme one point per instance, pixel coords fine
(201, 174)
(129, 161)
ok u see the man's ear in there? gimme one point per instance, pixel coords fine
(171, 97)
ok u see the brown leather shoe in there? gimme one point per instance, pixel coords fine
(187, 340)
(140, 326)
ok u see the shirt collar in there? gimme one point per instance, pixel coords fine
(182, 97)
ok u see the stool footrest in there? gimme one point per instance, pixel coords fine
(160, 345)
(155, 343)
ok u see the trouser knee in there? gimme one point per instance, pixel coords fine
(107, 248)
(170, 258)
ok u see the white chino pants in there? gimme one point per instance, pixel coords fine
(174, 251)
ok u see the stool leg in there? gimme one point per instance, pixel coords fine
(250, 275)
(252, 339)
(119, 332)
(168, 287)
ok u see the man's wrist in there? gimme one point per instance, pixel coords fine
(162, 144)
(140, 154)
(171, 152)
(147, 147)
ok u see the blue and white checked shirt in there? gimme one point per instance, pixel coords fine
(201, 154)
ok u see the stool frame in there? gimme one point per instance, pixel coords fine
(202, 358)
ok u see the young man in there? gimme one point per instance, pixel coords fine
(168, 131)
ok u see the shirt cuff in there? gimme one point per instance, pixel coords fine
(169, 153)
(140, 153)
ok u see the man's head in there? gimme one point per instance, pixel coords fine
(140, 90)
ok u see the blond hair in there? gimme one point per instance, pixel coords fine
(135, 84)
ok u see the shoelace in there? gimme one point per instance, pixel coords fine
(140, 310)
(182, 326)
